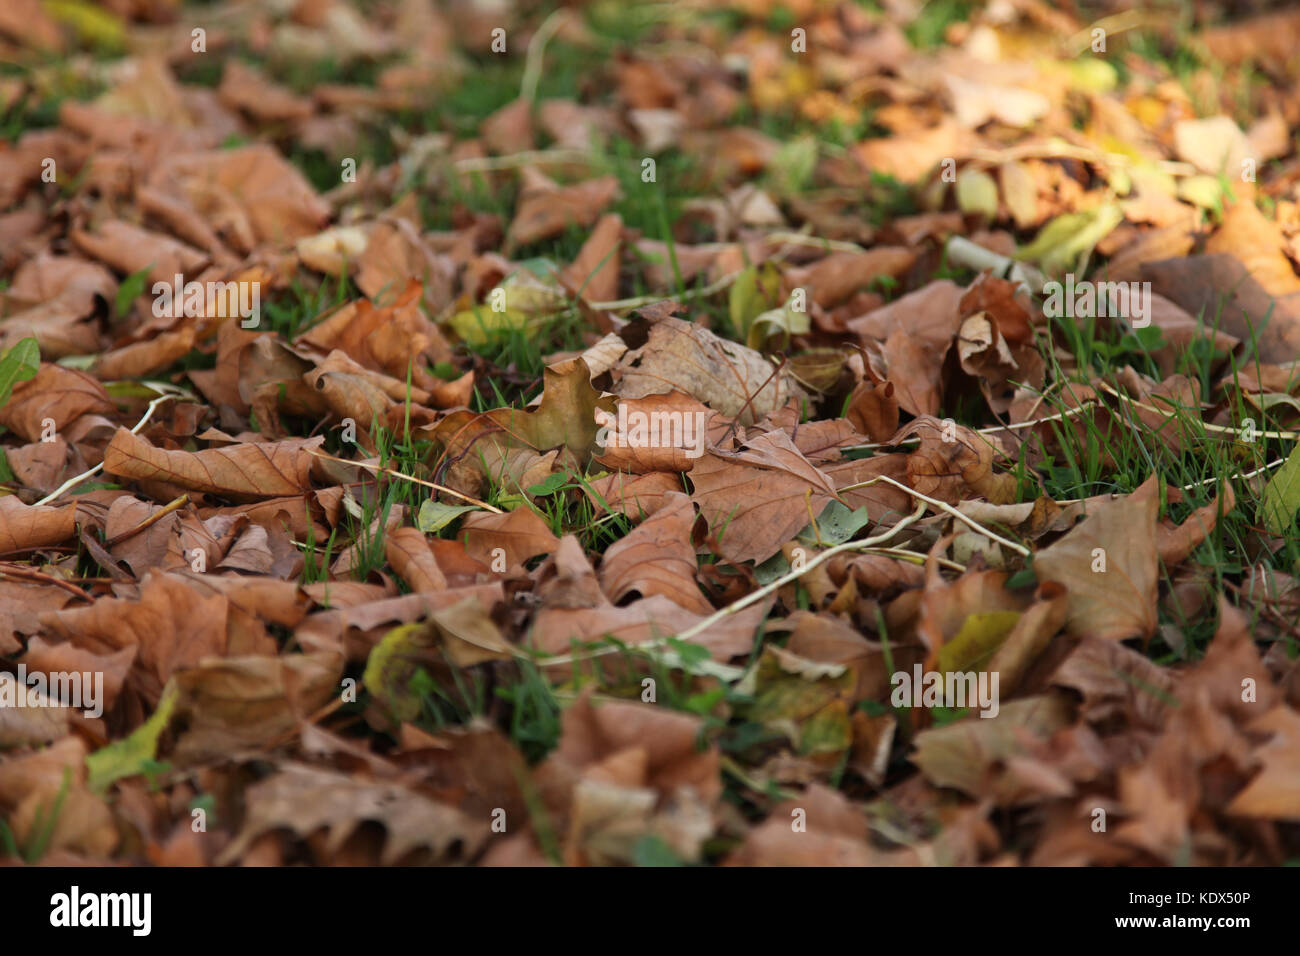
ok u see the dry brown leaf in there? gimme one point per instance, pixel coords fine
(757, 499)
(241, 472)
(24, 527)
(408, 552)
(657, 557)
(513, 537)
(668, 355)
(59, 394)
(1257, 243)
(1108, 565)
(307, 799)
(543, 213)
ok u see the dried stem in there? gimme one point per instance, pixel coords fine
(28, 574)
(92, 472)
(157, 516)
(750, 599)
(945, 508)
(377, 469)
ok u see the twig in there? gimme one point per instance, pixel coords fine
(636, 303)
(912, 557)
(804, 239)
(92, 472)
(28, 574)
(990, 430)
(1117, 23)
(1239, 476)
(158, 515)
(1221, 429)
(944, 507)
(1071, 151)
(419, 481)
(737, 606)
(963, 252)
(729, 765)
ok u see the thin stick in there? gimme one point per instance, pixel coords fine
(912, 557)
(1118, 23)
(1071, 151)
(737, 606)
(963, 252)
(28, 574)
(1222, 429)
(945, 508)
(805, 239)
(418, 481)
(636, 303)
(1234, 477)
(157, 516)
(92, 472)
(990, 430)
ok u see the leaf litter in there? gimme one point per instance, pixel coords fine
(827, 434)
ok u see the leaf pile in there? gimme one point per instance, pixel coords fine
(392, 568)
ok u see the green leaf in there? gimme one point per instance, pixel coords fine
(1281, 498)
(434, 515)
(478, 325)
(836, 525)
(19, 364)
(391, 670)
(93, 25)
(689, 653)
(783, 322)
(134, 754)
(1066, 239)
(753, 293)
(774, 567)
(549, 485)
(807, 701)
(651, 850)
(132, 288)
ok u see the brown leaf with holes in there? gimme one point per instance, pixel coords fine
(307, 799)
(672, 355)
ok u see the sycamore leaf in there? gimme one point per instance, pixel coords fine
(1109, 566)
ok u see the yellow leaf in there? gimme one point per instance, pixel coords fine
(980, 636)
(977, 192)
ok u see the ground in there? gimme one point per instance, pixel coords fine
(663, 434)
